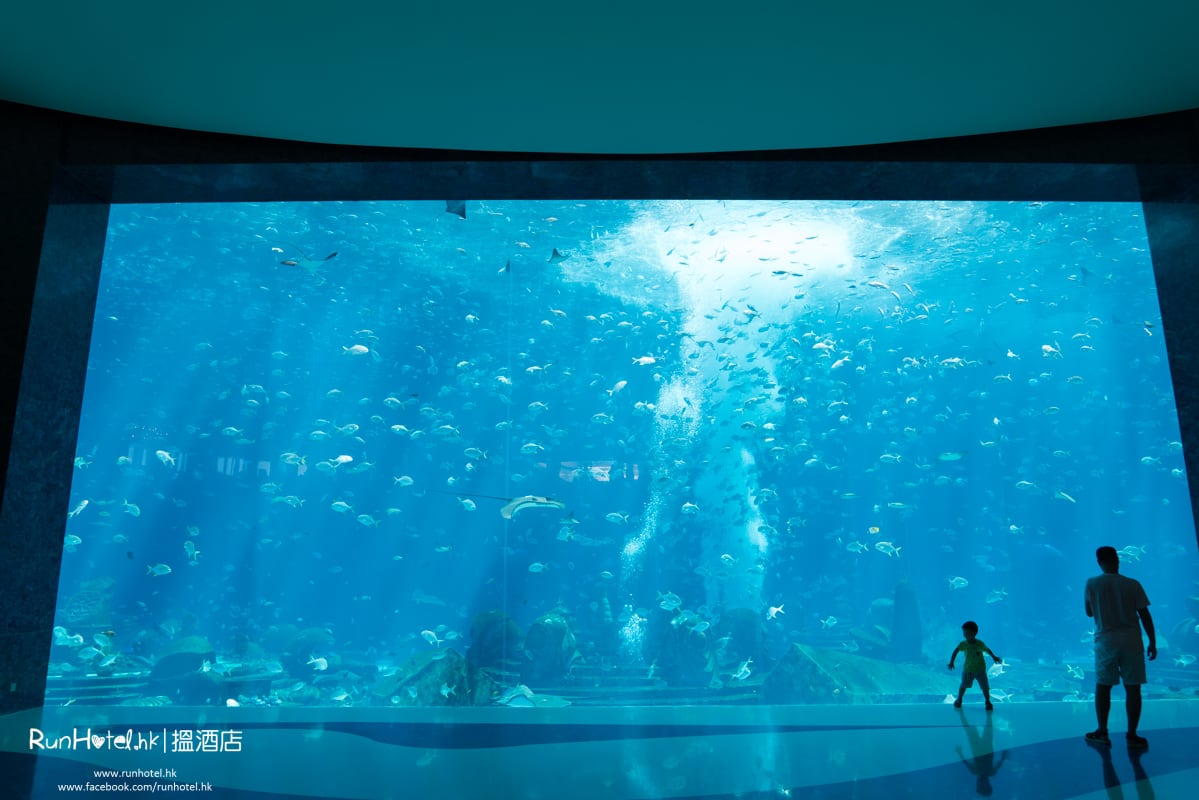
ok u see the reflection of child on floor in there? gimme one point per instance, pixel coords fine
(983, 765)
(975, 666)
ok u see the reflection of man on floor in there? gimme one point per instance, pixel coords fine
(982, 749)
(1111, 780)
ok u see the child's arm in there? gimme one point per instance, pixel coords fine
(997, 659)
(953, 656)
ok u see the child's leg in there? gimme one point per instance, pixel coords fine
(985, 684)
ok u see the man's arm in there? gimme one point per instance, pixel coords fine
(1147, 621)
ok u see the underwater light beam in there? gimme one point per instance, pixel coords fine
(729, 283)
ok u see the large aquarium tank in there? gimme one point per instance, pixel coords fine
(616, 453)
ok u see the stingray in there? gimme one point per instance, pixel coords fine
(306, 263)
(456, 207)
(555, 257)
(519, 504)
(513, 505)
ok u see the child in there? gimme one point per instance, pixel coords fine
(975, 666)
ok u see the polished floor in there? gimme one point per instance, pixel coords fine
(1021, 750)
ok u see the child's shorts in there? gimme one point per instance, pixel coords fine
(968, 679)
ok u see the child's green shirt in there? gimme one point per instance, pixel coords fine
(974, 655)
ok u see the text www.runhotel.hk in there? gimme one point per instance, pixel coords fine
(133, 780)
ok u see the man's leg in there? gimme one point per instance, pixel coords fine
(1103, 704)
(1133, 702)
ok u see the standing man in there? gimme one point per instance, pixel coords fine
(1119, 606)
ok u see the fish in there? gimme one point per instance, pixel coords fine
(518, 504)
(1132, 551)
(456, 207)
(537, 566)
(157, 569)
(958, 582)
(888, 548)
(309, 264)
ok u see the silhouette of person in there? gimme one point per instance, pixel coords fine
(1120, 607)
(975, 667)
(982, 750)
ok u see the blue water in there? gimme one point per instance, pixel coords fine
(846, 426)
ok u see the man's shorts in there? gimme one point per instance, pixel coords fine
(1120, 657)
(968, 679)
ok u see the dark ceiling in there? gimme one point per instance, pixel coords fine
(621, 77)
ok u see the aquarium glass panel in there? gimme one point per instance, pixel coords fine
(615, 453)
